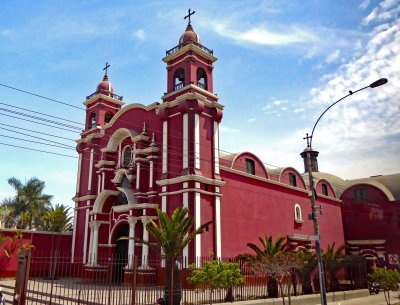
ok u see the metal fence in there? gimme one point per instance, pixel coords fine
(118, 280)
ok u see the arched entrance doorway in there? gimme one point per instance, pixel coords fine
(120, 253)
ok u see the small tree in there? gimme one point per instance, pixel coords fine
(217, 274)
(388, 279)
(279, 267)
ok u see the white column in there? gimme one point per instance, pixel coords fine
(90, 170)
(165, 147)
(185, 201)
(98, 184)
(86, 232)
(131, 244)
(103, 175)
(145, 248)
(196, 141)
(137, 175)
(216, 147)
(164, 200)
(151, 174)
(197, 221)
(185, 141)
(218, 224)
(119, 155)
(95, 245)
(90, 259)
(78, 176)
(74, 233)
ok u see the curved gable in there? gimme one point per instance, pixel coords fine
(284, 177)
(130, 107)
(240, 162)
(118, 136)
(367, 192)
(319, 188)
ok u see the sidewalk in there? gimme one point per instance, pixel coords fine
(375, 299)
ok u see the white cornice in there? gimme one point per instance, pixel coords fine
(84, 198)
(301, 237)
(189, 47)
(191, 190)
(187, 178)
(127, 207)
(190, 96)
(104, 162)
(104, 97)
(366, 242)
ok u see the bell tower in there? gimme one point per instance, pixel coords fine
(190, 115)
(102, 104)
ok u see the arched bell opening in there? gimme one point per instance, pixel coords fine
(201, 79)
(108, 116)
(179, 79)
(92, 121)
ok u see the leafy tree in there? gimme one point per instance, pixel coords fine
(269, 249)
(308, 265)
(6, 212)
(333, 259)
(279, 267)
(217, 274)
(29, 203)
(172, 235)
(388, 279)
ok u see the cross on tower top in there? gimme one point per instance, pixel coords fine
(190, 14)
(308, 139)
(106, 67)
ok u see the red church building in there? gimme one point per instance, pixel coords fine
(134, 157)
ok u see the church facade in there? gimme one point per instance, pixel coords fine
(134, 158)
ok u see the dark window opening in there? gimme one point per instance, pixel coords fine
(361, 194)
(127, 156)
(292, 180)
(324, 189)
(250, 167)
(206, 188)
(92, 120)
(108, 116)
(179, 79)
(201, 79)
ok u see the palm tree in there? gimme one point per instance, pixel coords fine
(29, 204)
(57, 219)
(269, 250)
(172, 235)
(309, 264)
(333, 259)
(6, 211)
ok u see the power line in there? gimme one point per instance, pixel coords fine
(36, 142)
(49, 115)
(43, 133)
(41, 96)
(38, 150)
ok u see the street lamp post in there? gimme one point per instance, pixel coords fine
(312, 191)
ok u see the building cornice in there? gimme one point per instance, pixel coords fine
(366, 242)
(189, 47)
(104, 97)
(190, 96)
(84, 198)
(187, 178)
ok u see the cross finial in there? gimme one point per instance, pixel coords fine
(190, 14)
(106, 68)
(308, 139)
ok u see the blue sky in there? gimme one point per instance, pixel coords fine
(280, 64)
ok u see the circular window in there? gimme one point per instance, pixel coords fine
(127, 156)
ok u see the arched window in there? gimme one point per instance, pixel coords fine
(250, 166)
(127, 156)
(297, 214)
(92, 120)
(108, 116)
(324, 189)
(179, 79)
(201, 79)
(292, 179)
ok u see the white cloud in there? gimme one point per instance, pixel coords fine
(261, 35)
(364, 4)
(225, 129)
(332, 57)
(251, 120)
(372, 16)
(139, 34)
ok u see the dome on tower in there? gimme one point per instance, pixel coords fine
(105, 86)
(189, 34)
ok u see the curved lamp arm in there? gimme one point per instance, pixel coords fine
(375, 84)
